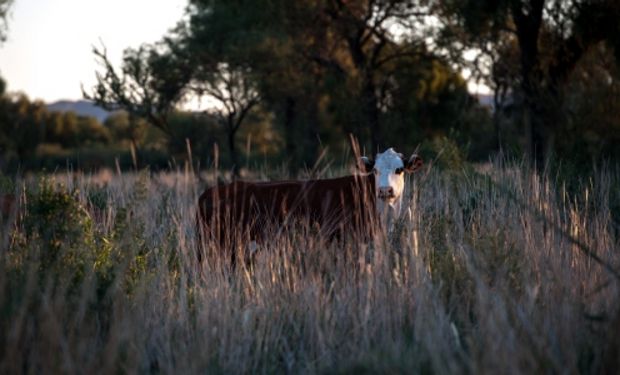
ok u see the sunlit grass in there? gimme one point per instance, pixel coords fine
(492, 273)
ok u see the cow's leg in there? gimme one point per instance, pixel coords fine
(235, 252)
(250, 252)
(243, 248)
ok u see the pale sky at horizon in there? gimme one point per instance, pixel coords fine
(48, 52)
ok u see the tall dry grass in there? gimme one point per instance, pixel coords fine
(495, 271)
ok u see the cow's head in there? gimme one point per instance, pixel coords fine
(389, 168)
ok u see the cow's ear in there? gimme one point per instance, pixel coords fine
(413, 163)
(367, 164)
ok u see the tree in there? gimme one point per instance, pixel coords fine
(219, 50)
(311, 58)
(70, 130)
(202, 129)
(236, 95)
(319, 68)
(366, 30)
(150, 84)
(292, 85)
(591, 102)
(124, 126)
(552, 37)
(426, 102)
(5, 5)
(155, 79)
(23, 126)
(91, 132)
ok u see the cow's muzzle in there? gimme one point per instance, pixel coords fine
(386, 193)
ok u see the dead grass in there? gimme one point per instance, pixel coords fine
(488, 275)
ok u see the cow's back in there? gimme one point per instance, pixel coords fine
(338, 205)
(342, 205)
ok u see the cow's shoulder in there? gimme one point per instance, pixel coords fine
(349, 183)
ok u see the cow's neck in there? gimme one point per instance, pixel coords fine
(389, 212)
(386, 212)
(394, 207)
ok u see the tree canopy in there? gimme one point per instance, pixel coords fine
(387, 71)
(532, 48)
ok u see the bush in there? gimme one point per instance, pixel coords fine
(444, 152)
(56, 233)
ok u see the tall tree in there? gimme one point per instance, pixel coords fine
(155, 78)
(257, 41)
(552, 36)
(373, 33)
(151, 82)
(318, 46)
(235, 95)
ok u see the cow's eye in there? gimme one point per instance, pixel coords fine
(399, 170)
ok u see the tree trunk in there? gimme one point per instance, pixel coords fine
(532, 125)
(528, 29)
(369, 100)
(311, 132)
(289, 133)
(371, 109)
(499, 100)
(233, 151)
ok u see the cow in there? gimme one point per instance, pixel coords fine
(354, 205)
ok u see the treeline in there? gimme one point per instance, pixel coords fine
(28, 130)
(32, 137)
(288, 80)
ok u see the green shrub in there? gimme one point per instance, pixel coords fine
(444, 152)
(57, 232)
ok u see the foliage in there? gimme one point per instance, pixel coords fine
(125, 127)
(56, 235)
(201, 130)
(592, 129)
(27, 125)
(150, 83)
(21, 126)
(299, 78)
(321, 70)
(445, 152)
(531, 49)
(5, 5)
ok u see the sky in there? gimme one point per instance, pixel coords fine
(48, 52)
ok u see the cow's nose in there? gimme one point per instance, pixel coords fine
(386, 192)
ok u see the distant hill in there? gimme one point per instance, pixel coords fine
(80, 107)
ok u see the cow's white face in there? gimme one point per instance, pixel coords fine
(389, 168)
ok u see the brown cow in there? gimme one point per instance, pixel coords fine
(351, 205)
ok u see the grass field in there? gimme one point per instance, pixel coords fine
(498, 270)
